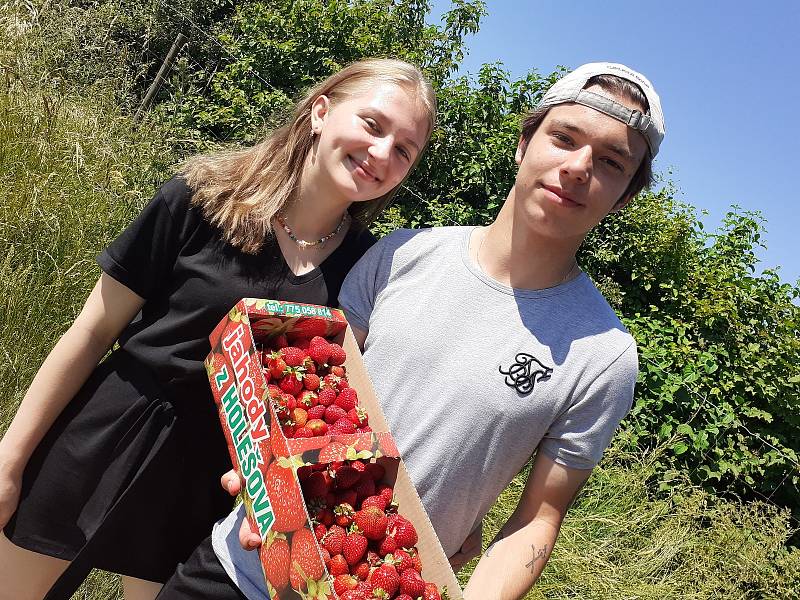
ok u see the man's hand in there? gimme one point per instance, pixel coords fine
(248, 538)
(469, 550)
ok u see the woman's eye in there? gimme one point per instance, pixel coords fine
(372, 124)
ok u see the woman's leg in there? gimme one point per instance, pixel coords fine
(140, 589)
(26, 575)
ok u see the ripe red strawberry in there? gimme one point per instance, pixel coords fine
(346, 477)
(334, 413)
(338, 370)
(303, 432)
(378, 501)
(343, 426)
(338, 566)
(317, 427)
(403, 531)
(286, 499)
(277, 366)
(431, 593)
(407, 559)
(326, 396)
(306, 562)
(311, 381)
(347, 399)
(324, 516)
(316, 412)
(343, 583)
(388, 546)
(291, 383)
(293, 356)
(354, 595)
(319, 351)
(358, 416)
(333, 382)
(275, 558)
(343, 514)
(310, 327)
(386, 491)
(386, 578)
(279, 341)
(307, 399)
(337, 356)
(334, 539)
(365, 488)
(375, 470)
(372, 521)
(319, 531)
(354, 547)
(361, 570)
(403, 597)
(412, 583)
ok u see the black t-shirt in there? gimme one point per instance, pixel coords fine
(171, 256)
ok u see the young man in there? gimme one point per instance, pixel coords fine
(497, 343)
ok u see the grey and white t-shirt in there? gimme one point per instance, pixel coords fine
(474, 376)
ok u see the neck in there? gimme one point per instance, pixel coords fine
(315, 211)
(517, 255)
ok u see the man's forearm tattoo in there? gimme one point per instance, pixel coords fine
(540, 553)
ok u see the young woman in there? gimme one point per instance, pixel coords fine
(101, 463)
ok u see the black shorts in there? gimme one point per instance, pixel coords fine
(202, 576)
(126, 479)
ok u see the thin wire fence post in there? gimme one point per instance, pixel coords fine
(179, 42)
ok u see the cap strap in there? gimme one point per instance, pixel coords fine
(634, 119)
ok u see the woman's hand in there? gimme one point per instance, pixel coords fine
(248, 538)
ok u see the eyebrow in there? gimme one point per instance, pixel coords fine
(621, 151)
(385, 117)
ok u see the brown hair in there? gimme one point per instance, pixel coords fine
(643, 178)
(240, 191)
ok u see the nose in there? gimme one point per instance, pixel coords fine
(381, 148)
(578, 164)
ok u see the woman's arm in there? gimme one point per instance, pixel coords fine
(107, 311)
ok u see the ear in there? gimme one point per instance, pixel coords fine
(522, 146)
(319, 111)
(622, 203)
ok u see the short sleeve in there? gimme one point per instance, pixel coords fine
(364, 282)
(143, 255)
(578, 437)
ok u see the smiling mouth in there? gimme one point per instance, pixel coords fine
(361, 170)
(558, 195)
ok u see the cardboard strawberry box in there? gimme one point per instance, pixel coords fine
(282, 472)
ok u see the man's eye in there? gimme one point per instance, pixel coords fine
(404, 153)
(372, 124)
(615, 165)
(562, 138)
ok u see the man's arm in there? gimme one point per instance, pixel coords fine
(517, 556)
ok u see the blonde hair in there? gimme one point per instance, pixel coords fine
(240, 191)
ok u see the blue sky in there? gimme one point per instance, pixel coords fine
(728, 74)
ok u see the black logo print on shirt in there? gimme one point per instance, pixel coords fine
(525, 373)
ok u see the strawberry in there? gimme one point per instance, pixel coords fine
(403, 531)
(326, 396)
(378, 501)
(347, 399)
(388, 546)
(353, 595)
(347, 477)
(411, 583)
(344, 583)
(334, 539)
(337, 356)
(311, 381)
(293, 356)
(302, 343)
(307, 399)
(404, 559)
(343, 426)
(279, 342)
(372, 521)
(338, 370)
(385, 578)
(275, 559)
(334, 413)
(375, 470)
(303, 432)
(358, 416)
(316, 412)
(317, 427)
(284, 494)
(354, 547)
(403, 597)
(310, 327)
(299, 416)
(338, 566)
(333, 382)
(430, 592)
(277, 366)
(361, 570)
(365, 488)
(319, 531)
(291, 383)
(347, 497)
(386, 491)
(319, 351)
(343, 514)
(306, 562)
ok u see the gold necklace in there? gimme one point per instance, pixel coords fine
(478, 260)
(306, 244)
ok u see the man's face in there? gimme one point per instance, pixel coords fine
(575, 169)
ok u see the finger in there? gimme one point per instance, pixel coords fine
(248, 539)
(231, 483)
